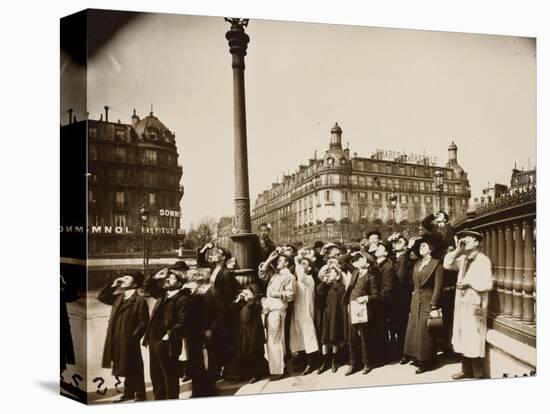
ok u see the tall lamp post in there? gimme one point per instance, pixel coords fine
(393, 204)
(144, 217)
(438, 180)
(245, 243)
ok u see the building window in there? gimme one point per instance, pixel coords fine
(150, 157)
(120, 220)
(152, 199)
(383, 182)
(90, 195)
(404, 199)
(120, 154)
(376, 197)
(416, 199)
(369, 181)
(362, 211)
(362, 181)
(327, 196)
(120, 134)
(374, 167)
(119, 198)
(428, 200)
(345, 211)
(421, 185)
(119, 174)
(362, 197)
(388, 168)
(93, 152)
(92, 132)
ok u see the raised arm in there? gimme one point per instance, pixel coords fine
(106, 295)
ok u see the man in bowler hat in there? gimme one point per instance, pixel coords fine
(127, 323)
(165, 332)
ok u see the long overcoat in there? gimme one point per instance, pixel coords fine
(127, 324)
(420, 343)
(470, 312)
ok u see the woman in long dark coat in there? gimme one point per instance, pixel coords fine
(420, 343)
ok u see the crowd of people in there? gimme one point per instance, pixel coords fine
(311, 309)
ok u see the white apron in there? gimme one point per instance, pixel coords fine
(302, 328)
(470, 313)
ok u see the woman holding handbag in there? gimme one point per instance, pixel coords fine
(420, 340)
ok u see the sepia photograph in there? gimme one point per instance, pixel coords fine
(254, 206)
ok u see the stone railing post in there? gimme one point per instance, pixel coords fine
(528, 280)
(517, 283)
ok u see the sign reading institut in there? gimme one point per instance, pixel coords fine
(117, 230)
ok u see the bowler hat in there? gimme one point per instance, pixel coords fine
(179, 265)
(136, 275)
(444, 215)
(318, 244)
(472, 233)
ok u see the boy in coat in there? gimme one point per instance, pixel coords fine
(362, 289)
(472, 295)
(127, 324)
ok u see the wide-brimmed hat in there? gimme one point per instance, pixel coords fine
(434, 241)
(318, 244)
(472, 233)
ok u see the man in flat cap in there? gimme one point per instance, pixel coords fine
(224, 288)
(166, 330)
(470, 313)
(127, 323)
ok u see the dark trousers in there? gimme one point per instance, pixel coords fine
(379, 341)
(216, 350)
(202, 385)
(164, 371)
(134, 385)
(447, 310)
(358, 344)
(473, 367)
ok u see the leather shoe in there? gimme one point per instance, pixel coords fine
(124, 398)
(421, 369)
(351, 370)
(404, 360)
(366, 369)
(461, 375)
(308, 370)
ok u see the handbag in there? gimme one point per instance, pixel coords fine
(435, 320)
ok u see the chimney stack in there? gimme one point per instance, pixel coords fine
(70, 115)
(106, 113)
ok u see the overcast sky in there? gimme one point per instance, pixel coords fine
(395, 89)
